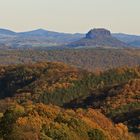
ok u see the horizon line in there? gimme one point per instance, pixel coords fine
(50, 30)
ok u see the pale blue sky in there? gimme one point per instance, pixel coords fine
(71, 15)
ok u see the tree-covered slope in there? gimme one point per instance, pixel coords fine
(47, 122)
(25, 89)
(89, 59)
(57, 83)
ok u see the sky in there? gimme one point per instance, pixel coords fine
(71, 15)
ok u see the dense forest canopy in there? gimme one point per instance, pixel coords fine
(43, 101)
(93, 59)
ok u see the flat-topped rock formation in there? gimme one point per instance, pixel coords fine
(99, 38)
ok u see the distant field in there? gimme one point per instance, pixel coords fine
(91, 59)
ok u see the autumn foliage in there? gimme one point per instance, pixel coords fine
(54, 101)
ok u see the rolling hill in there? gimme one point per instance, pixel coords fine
(36, 38)
(93, 59)
(26, 92)
(121, 103)
(48, 122)
(6, 32)
(132, 40)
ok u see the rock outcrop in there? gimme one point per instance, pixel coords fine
(98, 38)
(95, 33)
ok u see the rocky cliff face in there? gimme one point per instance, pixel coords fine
(95, 33)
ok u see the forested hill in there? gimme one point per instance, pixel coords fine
(88, 59)
(64, 82)
(30, 96)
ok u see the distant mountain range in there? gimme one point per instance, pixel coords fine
(6, 32)
(45, 38)
(132, 40)
(36, 38)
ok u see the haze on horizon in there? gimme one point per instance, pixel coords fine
(71, 15)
